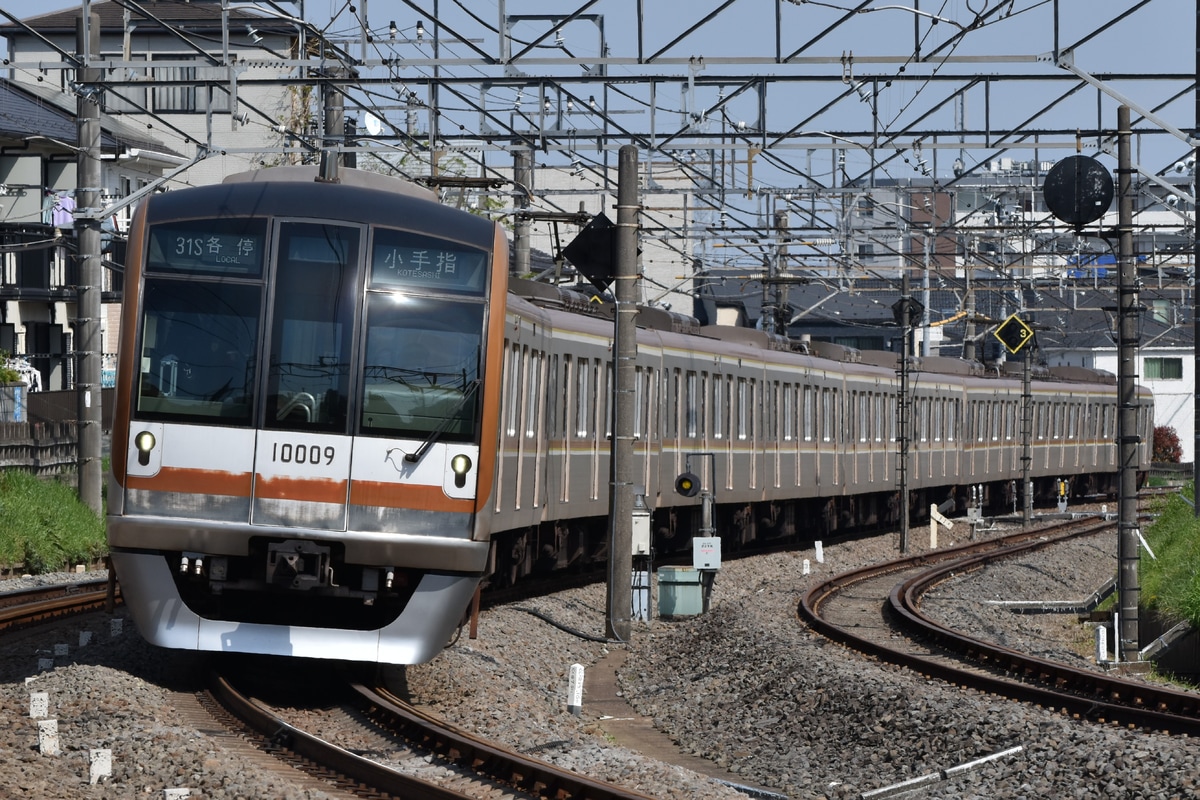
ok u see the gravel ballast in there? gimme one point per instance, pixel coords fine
(746, 686)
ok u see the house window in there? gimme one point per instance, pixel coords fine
(1163, 369)
(191, 89)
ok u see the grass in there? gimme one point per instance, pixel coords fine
(1170, 582)
(44, 527)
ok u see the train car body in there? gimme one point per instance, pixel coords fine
(336, 414)
(792, 440)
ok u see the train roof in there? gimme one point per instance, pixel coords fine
(358, 178)
(355, 195)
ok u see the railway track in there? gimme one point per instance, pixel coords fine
(877, 610)
(384, 728)
(463, 765)
(23, 608)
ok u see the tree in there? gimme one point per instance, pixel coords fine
(1166, 445)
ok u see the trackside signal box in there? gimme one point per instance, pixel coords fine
(706, 552)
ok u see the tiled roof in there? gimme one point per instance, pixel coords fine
(1069, 315)
(185, 15)
(27, 110)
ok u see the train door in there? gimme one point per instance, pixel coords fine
(302, 458)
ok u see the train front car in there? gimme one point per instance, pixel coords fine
(304, 434)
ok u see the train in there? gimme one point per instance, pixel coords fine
(337, 415)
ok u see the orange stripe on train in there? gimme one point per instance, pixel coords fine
(363, 493)
(397, 495)
(305, 489)
(194, 481)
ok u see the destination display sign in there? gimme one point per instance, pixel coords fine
(208, 247)
(400, 260)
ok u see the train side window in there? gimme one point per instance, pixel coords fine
(604, 397)
(567, 385)
(533, 393)
(690, 406)
(582, 393)
(552, 385)
(828, 399)
(789, 412)
(952, 419)
(676, 404)
(718, 405)
(639, 397)
(745, 400)
(808, 412)
(728, 402)
(512, 373)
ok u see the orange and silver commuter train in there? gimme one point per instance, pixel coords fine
(336, 415)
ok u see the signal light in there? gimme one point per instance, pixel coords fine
(687, 484)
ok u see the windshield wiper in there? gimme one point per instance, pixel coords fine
(413, 458)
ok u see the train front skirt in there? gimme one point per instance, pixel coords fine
(416, 636)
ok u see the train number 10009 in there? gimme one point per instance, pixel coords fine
(288, 453)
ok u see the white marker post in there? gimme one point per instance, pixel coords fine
(39, 705)
(575, 690)
(820, 552)
(48, 737)
(936, 518)
(101, 765)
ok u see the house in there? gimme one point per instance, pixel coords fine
(171, 106)
(38, 179)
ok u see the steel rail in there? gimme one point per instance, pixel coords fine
(539, 778)
(993, 668)
(27, 607)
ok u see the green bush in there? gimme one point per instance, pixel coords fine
(44, 526)
(1170, 582)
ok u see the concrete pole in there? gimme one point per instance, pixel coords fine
(1027, 437)
(1128, 589)
(88, 345)
(523, 176)
(621, 496)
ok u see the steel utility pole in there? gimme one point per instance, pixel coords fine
(1128, 590)
(1196, 297)
(87, 239)
(620, 551)
(902, 410)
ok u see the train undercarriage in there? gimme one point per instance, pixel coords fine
(582, 544)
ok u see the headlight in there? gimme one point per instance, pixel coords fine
(144, 442)
(461, 465)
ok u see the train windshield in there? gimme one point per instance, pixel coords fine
(312, 330)
(422, 364)
(198, 344)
